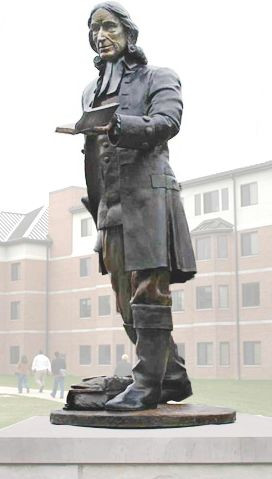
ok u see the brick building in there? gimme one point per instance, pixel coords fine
(52, 296)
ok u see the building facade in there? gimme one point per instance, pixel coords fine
(52, 296)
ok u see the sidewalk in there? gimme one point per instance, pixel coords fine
(33, 393)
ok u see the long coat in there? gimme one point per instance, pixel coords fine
(155, 229)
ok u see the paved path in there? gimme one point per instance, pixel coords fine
(33, 393)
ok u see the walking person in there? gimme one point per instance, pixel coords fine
(123, 367)
(59, 372)
(22, 373)
(41, 366)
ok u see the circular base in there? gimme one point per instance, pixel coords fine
(166, 415)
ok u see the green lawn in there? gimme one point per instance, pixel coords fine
(252, 397)
(16, 408)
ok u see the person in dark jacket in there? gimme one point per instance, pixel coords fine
(123, 367)
(134, 198)
(58, 366)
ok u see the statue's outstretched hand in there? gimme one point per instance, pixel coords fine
(103, 130)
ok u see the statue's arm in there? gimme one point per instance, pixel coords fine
(162, 119)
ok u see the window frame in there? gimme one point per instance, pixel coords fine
(89, 303)
(86, 232)
(199, 239)
(18, 270)
(243, 204)
(242, 237)
(18, 310)
(90, 354)
(99, 305)
(243, 285)
(196, 296)
(173, 292)
(110, 355)
(228, 296)
(227, 365)
(207, 343)
(259, 353)
(18, 349)
(212, 193)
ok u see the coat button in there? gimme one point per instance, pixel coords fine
(146, 118)
(106, 159)
(149, 130)
(105, 144)
(145, 146)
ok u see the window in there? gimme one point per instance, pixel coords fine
(15, 310)
(85, 308)
(249, 194)
(181, 349)
(104, 354)
(197, 205)
(224, 354)
(85, 267)
(120, 350)
(203, 248)
(225, 198)
(249, 243)
(222, 247)
(85, 356)
(204, 354)
(203, 297)
(250, 294)
(86, 227)
(14, 354)
(104, 306)
(15, 271)
(252, 353)
(223, 296)
(211, 201)
(177, 300)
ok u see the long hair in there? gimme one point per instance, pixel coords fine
(132, 51)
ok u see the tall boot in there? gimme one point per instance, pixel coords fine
(153, 326)
(176, 385)
(131, 332)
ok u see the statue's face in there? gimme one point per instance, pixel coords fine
(108, 35)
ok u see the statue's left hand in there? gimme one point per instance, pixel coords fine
(103, 130)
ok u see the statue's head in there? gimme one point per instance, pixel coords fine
(112, 33)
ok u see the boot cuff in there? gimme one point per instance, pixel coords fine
(152, 316)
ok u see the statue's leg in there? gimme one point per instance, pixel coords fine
(151, 311)
(153, 286)
(176, 385)
(113, 256)
(153, 326)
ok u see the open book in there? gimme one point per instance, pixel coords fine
(96, 117)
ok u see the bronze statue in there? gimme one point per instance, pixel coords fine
(134, 198)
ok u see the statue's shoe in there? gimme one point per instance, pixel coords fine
(175, 391)
(132, 399)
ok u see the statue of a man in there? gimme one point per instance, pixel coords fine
(134, 199)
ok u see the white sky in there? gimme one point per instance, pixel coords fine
(221, 50)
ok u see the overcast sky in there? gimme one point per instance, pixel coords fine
(221, 50)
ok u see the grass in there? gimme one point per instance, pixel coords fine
(14, 408)
(253, 397)
(247, 396)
